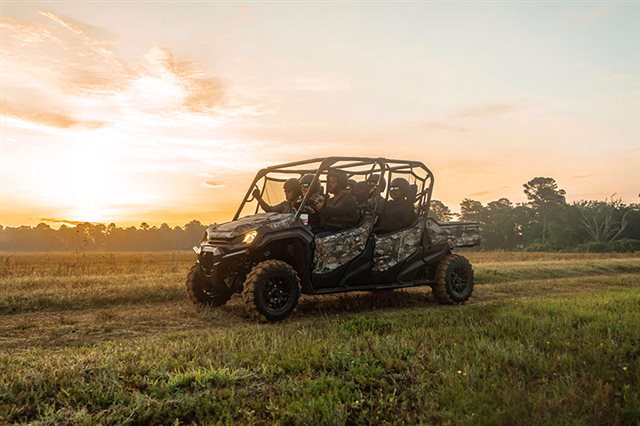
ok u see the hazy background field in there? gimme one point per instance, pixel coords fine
(111, 337)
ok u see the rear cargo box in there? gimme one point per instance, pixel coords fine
(456, 234)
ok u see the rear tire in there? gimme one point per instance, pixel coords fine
(205, 292)
(454, 280)
(271, 291)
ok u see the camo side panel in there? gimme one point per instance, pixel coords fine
(456, 234)
(391, 249)
(336, 250)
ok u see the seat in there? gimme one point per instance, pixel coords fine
(413, 191)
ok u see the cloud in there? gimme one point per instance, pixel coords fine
(452, 123)
(51, 119)
(583, 176)
(211, 182)
(475, 194)
(62, 73)
(488, 110)
(70, 222)
(70, 25)
(201, 92)
(439, 125)
(50, 47)
(588, 15)
(621, 77)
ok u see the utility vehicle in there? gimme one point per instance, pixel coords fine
(271, 258)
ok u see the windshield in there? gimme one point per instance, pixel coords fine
(271, 196)
(273, 192)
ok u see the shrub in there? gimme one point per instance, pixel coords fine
(538, 246)
(626, 245)
(594, 247)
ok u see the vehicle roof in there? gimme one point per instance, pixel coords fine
(326, 162)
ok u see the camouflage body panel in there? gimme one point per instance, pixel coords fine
(391, 249)
(271, 221)
(336, 250)
(456, 234)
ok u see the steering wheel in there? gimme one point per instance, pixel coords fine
(311, 205)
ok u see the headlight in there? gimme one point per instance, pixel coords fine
(249, 237)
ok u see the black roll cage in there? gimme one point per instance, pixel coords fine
(383, 166)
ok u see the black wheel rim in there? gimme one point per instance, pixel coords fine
(459, 280)
(277, 293)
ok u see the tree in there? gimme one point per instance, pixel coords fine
(194, 231)
(544, 195)
(471, 210)
(604, 220)
(500, 230)
(439, 211)
(633, 228)
(525, 224)
(565, 229)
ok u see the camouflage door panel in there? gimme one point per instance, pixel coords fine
(391, 249)
(456, 234)
(336, 250)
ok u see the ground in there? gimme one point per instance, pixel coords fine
(112, 338)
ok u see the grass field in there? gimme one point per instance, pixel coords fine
(111, 338)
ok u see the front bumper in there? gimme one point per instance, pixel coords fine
(211, 256)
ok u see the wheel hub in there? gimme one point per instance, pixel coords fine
(277, 293)
(458, 280)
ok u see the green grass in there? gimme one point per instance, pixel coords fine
(552, 360)
(500, 272)
(37, 292)
(554, 344)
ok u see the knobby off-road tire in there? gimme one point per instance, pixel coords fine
(271, 291)
(204, 292)
(454, 280)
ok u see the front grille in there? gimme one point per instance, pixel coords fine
(206, 261)
(219, 241)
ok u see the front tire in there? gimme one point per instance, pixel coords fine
(204, 292)
(271, 291)
(454, 280)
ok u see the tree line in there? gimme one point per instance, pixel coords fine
(546, 222)
(100, 237)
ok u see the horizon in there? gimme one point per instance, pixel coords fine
(108, 116)
(455, 211)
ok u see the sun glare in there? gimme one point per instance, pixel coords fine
(88, 184)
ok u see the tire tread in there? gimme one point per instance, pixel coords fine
(440, 288)
(197, 296)
(253, 277)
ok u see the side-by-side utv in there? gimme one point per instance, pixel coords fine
(270, 258)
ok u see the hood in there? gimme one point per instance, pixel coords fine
(245, 224)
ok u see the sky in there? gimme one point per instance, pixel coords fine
(159, 112)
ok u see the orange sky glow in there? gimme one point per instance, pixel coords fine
(163, 112)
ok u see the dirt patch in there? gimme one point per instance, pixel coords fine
(73, 328)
